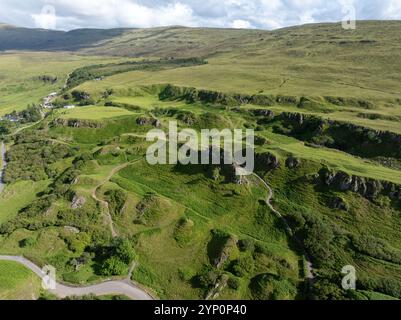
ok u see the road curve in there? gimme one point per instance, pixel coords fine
(309, 266)
(123, 287)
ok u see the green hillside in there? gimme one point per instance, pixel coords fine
(325, 105)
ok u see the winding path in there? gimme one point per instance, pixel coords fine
(104, 203)
(123, 287)
(309, 266)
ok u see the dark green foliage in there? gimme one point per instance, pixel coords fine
(123, 250)
(29, 217)
(347, 137)
(376, 248)
(47, 79)
(119, 255)
(317, 236)
(116, 200)
(114, 267)
(243, 266)
(97, 72)
(327, 289)
(271, 287)
(31, 156)
(84, 218)
(390, 287)
(82, 98)
(27, 242)
(5, 127)
(191, 95)
(31, 114)
(246, 245)
(206, 279)
(234, 283)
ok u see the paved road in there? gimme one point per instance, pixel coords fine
(123, 287)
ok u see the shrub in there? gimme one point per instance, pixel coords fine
(116, 200)
(246, 245)
(243, 266)
(114, 267)
(27, 242)
(234, 283)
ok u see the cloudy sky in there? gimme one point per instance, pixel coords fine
(264, 14)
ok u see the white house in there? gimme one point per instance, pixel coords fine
(69, 107)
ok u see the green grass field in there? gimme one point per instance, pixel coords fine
(94, 113)
(17, 282)
(19, 85)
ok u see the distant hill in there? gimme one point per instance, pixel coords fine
(162, 41)
(14, 38)
(314, 59)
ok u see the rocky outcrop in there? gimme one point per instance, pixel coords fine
(262, 113)
(268, 161)
(366, 187)
(78, 202)
(292, 163)
(143, 121)
(225, 252)
(75, 123)
(354, 139)
(339, 203)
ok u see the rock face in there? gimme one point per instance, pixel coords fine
(295, 118)
(292, 163)
(225, 252)
(263, 113)
(368, 188)
(351, 138)
(78, 202)
(142, 121)
(74, 123)
(268, 161)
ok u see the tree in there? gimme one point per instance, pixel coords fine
(124, 250)
(114, 267)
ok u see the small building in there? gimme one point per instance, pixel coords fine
(69, 107)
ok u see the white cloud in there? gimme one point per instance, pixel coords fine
(241, 24)
(47, 18)
(267, 14)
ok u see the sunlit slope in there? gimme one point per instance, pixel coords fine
(20, 74)
(313, 60)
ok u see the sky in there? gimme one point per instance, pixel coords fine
(260, 14)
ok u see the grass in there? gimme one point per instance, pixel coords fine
(94, 113)
(17, 196)
(338, 160)
(17, 282)
(18, 81)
